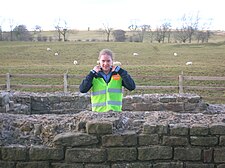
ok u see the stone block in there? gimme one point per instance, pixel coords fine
(198, 129)
(175, 141)
(65, 165)
(217, 129)
(207, 155)
(99, 127)
(33, 165)
(125, 139)
(14, 153)
(85, 155)
(187, 154)
(222, 141)
(148, 139)
(132, 165)
(219, 155)
(154, 153)
(97, 166)
(45, 153)
(179, 129)
(7, 164)
(122, 154)
(149, 128)
(199, 165)
(168, 165)
(203, 141)
(71, 139)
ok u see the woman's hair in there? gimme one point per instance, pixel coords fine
(106, 52)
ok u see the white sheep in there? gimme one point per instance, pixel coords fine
(56, 54)
(116, 63)
(189, 63)
(75, 62)
(175, 54)
(135, 54)
(98, 62)
(48, 49)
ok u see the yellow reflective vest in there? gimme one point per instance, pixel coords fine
(106, 97)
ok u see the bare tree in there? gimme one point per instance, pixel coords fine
(107, 30)
(204, 34)
(11, 25)
(188, 27)
(162, 32)
(61, 30)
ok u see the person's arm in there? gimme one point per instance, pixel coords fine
(86, 84)
(127, 82)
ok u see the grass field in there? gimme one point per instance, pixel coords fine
(153, 59)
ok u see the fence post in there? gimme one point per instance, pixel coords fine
(181, 78)
(7, 82)
(65, 77)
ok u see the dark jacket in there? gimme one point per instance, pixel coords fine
(127, 81)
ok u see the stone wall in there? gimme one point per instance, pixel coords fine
(153, 131)
(59, 103)
(155, 146)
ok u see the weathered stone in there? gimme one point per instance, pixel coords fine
(178, 129)
(155, 129)
(217, 129)
(197, 129)
(155, 152)
(33, 165)
(14, 153)
(65, 165)
(132, 165)
(71, 139)
(219, 155)
(177, 107)
(7, 164)
(44, 153)
(125, 139)
(168, 99)
(148, 139)
(175, 141)
(207, 155)
(122, 154)
(99, 127)
(187, 154)
(199, 165)
(203, 141)
(85, 155)
(97, 166)
(168, 165)
(222, 141)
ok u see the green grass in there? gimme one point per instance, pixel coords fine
(153, 59)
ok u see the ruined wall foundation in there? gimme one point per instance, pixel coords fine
(153, 131)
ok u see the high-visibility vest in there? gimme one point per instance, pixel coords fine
(106, 97)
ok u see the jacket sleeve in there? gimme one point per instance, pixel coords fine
(127, 82)
(86, 84)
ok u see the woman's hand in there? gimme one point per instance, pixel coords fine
(97, 68)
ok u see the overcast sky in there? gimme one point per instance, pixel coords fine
(81, 14)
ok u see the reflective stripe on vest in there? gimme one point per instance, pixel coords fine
(106, 97)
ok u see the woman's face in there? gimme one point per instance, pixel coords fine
(105, 62)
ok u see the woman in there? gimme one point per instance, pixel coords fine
(105, 81)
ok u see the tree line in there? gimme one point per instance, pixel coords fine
(188, 31)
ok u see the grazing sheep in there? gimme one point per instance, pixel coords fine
(117, 63)
(56, 54)
(135, 54)
(175, 54)
(48, 49)
(98, 62)
(75, 62)
(189, 63)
